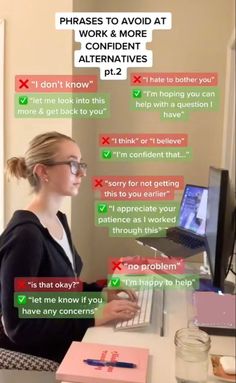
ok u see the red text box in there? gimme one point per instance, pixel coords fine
(55, 83)
(147, 140)
(145, 266)
(136, 188)
(174, 79)
(47, 284)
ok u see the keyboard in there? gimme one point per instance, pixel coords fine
(143, 317)
(185, 239)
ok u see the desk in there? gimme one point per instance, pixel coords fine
(162, 349)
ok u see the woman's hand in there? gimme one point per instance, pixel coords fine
(120, 309)
(112, 294)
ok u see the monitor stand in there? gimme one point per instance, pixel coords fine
(205, 282)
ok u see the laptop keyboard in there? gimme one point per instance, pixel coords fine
(185, 240)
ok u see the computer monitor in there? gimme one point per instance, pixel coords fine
(220, 225)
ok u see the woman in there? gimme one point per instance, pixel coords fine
(37, 243)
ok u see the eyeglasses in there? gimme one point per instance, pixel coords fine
(75, 166)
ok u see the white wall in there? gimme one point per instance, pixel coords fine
(33, 46)
(197, 43)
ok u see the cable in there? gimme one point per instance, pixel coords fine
(233, 253)
(229, 264)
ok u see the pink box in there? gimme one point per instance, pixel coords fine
(74, 369)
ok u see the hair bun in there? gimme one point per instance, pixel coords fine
(16, 167)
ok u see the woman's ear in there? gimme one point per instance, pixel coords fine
(41, 172)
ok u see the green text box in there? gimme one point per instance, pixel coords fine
(155, 281)
(136, 218)
(62, 105)
(175, 103)
(58, 304)
(148, 154)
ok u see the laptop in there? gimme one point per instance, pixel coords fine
(188, 238)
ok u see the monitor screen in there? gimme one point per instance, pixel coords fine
(193, 209)
(220, 224)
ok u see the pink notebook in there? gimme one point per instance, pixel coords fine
(74, 369)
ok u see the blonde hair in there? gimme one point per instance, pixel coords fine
(42, 149)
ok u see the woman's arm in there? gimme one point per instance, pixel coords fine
(24, 257)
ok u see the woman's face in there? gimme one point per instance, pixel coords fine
(60, 178)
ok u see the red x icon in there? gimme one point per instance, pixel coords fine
(137, 80)
(98, 183)
(116, 265)
(23, 84)
(21, 284)
(105, 140)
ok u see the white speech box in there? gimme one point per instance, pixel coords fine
(113, 41)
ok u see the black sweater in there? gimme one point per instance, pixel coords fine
(28, 250)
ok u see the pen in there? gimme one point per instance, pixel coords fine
(96, 362)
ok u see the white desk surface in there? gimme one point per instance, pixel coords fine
(162, 349)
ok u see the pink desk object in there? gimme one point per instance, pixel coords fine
(214, 309)
(73, 368)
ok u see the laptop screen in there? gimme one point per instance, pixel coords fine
(193, 209)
